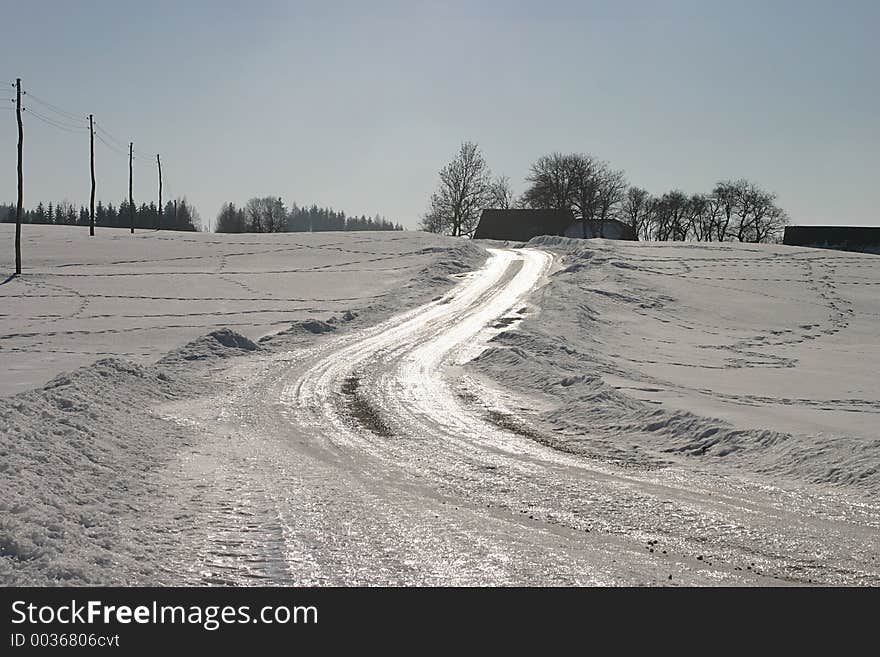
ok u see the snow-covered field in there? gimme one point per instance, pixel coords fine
(139, 296)
(759, 356)
(397, 409)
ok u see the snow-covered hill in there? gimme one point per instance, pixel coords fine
(759, 356)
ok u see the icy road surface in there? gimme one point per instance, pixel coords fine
(372, 458)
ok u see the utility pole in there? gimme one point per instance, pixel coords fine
(130, 195)
(92, 163)
(20, 179)
(159, 222)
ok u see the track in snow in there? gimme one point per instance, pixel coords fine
(395, 374)
(373, 458)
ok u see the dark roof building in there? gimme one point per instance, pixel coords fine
(523, 225)
(842, 238)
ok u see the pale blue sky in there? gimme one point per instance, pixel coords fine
(358, 104)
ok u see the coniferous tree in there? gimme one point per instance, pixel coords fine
(230, 220)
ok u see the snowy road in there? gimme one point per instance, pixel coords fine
(373, 458)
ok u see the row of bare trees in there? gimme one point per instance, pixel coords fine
(595, 192)
(735, 210)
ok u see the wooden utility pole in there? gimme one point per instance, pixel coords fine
(159, 221)
(92, 165)
(20, 180)
(130, 195)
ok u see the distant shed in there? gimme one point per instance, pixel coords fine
(523, 225)
(842, 238)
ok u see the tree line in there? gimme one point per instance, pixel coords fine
(178, 214)
(595, 192)
(268, 214)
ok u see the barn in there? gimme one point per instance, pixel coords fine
(523, 225)
(842, 238)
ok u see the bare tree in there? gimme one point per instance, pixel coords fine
(768, 220)
(554, 180)
(587, 199)
(612, 189)
(746, 212)
(725, 195)
(502, 194)
(577, 182)
(635, 210)
(755, 212)
(432, 221)
(652, 218)
(266, 215)
(465, 188)
(702, 216)
(746, 196)
(671, 216)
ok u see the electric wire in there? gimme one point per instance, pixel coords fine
(56, 124)
(55, 108)
(109, 135)
(67, 121)
(111, 147)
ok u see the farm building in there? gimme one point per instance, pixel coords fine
(523, 225)
(842, 238)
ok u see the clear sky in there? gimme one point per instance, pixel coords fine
(358, 104)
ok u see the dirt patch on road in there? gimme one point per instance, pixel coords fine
(361, 411)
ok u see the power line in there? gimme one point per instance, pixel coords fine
(111, 146)
(109, 135)
(54, 108)
(121, 147)
(66, 127)
(66, 124)
(113, 150)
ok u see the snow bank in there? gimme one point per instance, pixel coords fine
(74, 458)
(754, 356)
(216, 344)
(75, 462)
